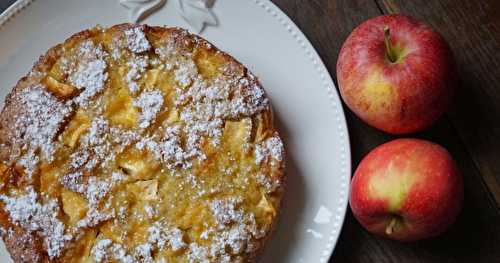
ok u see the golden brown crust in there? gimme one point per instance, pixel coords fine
(27, 246)
(24, 247)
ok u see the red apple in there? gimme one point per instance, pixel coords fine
(396, 74)
(407, 190)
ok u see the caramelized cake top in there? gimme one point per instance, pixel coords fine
(138, 144)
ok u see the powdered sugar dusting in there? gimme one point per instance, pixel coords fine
(103, 143)
(99, 249)
(30, 162)
(90, 75)
(96, 144)
(225, 211)
(38, 123)
(136, 67)
(150, 104)
(160, 236)
(136, 40)
(168, 148)
(198, 254)
(105, 250)
(271, 148)
(143, 253)
(91, 78)
(94, 190)
(32, 215)
(268, 184)
(210, 103)
(186, 72)
(233, 235)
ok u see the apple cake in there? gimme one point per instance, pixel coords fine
(138, 144)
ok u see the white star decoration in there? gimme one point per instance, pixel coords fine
(197, 13)
(139, 9)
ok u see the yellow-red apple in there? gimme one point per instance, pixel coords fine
(396, 74)
(407, 190)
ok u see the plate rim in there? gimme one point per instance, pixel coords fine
(339, 118)
(333, 96)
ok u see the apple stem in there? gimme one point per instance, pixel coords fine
(390, 228)
(388, 48)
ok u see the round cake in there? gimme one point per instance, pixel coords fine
(138, 144)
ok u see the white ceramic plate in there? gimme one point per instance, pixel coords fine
(257, 33)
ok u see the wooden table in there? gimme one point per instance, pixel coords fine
(471, 130)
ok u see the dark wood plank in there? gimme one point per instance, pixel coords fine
(475, 235)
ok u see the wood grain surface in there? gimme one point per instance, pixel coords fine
(470, 131)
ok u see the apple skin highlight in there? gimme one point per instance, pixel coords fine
(396, 74)
(407, 190)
